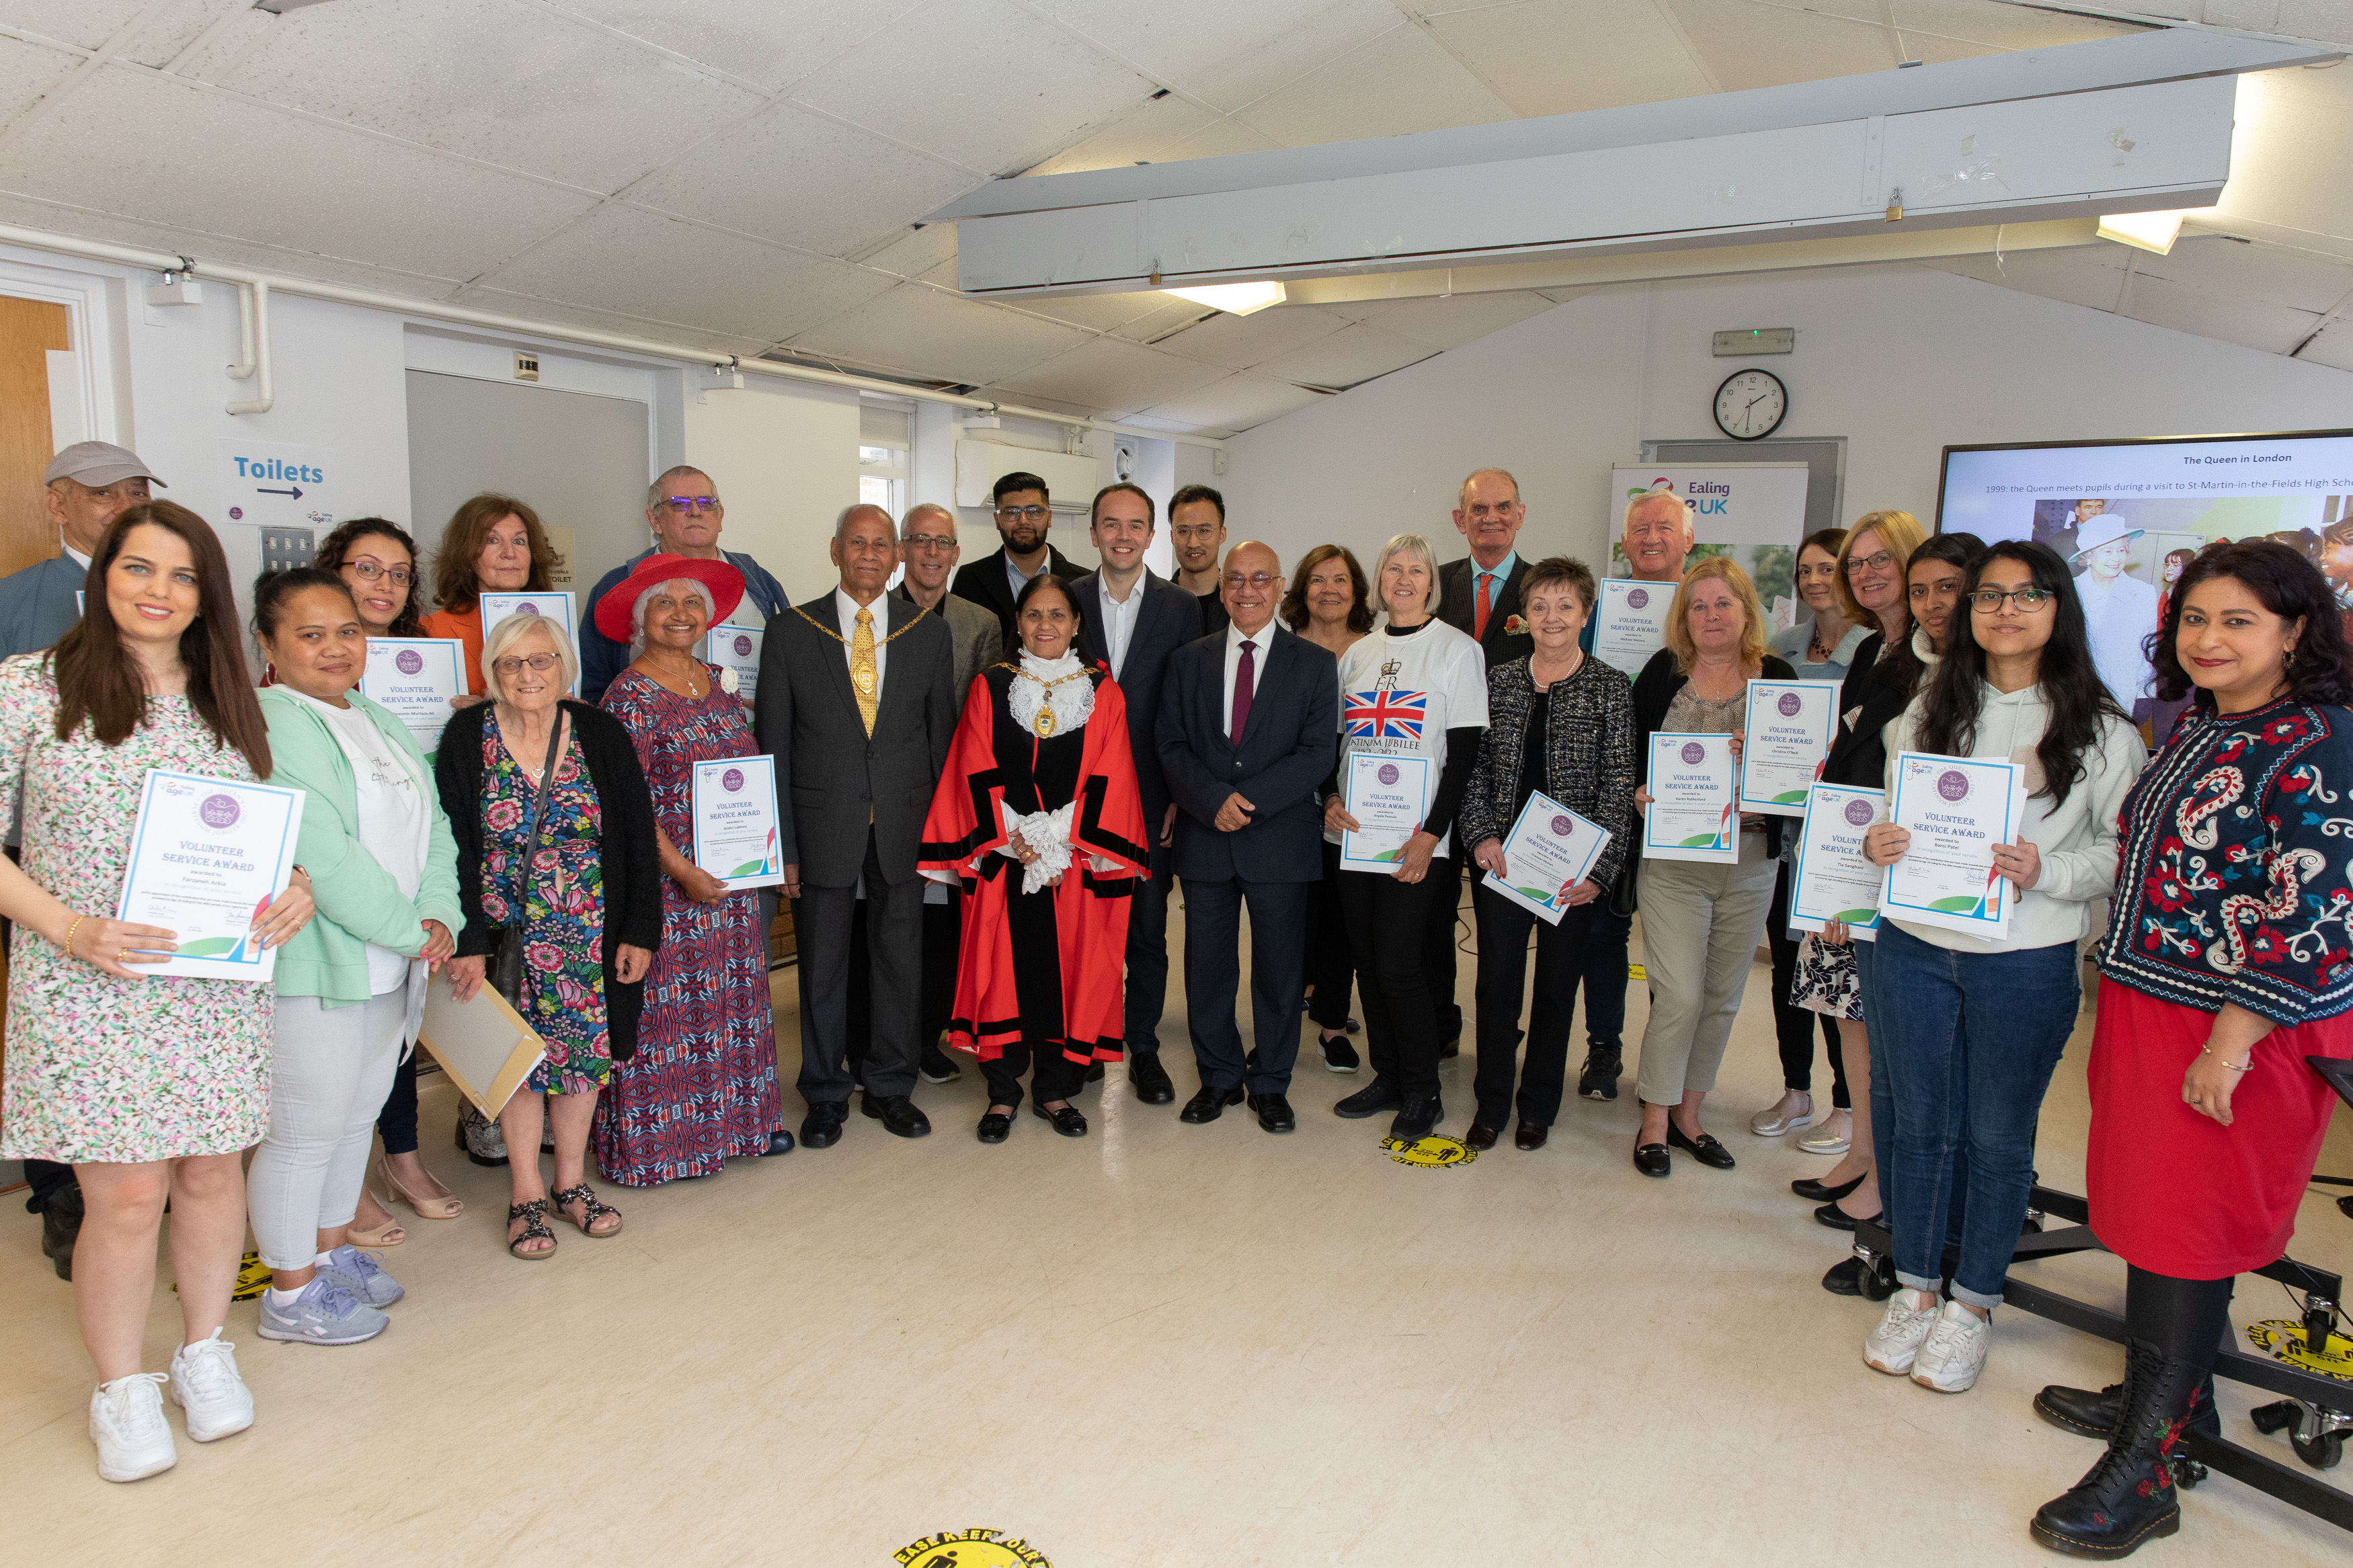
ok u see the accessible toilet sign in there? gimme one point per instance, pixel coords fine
(276, 484)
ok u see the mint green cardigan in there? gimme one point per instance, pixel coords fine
(358, 901)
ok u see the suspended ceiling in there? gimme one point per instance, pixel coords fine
(744, 175)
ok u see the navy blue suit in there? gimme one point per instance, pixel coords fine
(1168, 618)
(1279, 762)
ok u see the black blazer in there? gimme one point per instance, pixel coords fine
(1458, 607)
(1215, 616)
(1285, 755)
(630, 865)
(1875, 692)
(983, 583)
(1168, 618)
(1654, 689)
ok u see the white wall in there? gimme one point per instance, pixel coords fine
(1900, 360)
(785, 455)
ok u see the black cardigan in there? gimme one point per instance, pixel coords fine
(1654, 689)
(631, 867)
(1877, 692)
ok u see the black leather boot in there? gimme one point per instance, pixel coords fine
(60, 1226)
(2094, 1414)
(2128, 1497)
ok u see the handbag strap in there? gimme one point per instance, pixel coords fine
(533, 822)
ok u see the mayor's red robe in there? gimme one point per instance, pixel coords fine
(994, 762)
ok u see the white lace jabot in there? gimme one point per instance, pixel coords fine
(1071, 701)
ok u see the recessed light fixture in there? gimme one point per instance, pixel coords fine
(1234, 299)
(2142, 231)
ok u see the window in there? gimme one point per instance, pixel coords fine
(882, 477)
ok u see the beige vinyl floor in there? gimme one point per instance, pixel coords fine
(1163, 1345)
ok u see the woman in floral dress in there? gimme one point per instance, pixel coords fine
(150, 1086)
(702, 1087)
(591, 918)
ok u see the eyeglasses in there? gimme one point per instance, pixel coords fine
(700, 505)
(369, 570)
(1879, 563)
(927, 542)
(1020, 513)
(1990, 600)
(1196, 530)
(1259, 580)
(541, 662)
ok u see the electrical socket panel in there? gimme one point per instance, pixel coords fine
(282, 547)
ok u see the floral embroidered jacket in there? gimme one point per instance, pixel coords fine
(2232, 881)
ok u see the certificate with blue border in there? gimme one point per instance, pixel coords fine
(208, 855)
(1956, 809)
(734, 808)
(414, 678)
(555, 603)
(1693, 815)
(1833, 879)
(1387, 794)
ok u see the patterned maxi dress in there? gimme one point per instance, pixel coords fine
(99, 1068)
(564, 951)
(702, 1086)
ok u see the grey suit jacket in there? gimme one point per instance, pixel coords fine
(841, 780)
(37, 605)
(979, 642)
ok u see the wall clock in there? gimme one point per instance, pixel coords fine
(1751, 405)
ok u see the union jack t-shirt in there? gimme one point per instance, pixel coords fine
(1401, 694)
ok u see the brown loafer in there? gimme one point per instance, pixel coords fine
(1530, 1135)
(1481, 1136)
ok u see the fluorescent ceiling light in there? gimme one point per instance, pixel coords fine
(2142, 231)
(1234, 299)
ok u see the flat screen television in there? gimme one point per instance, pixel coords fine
(2129, 515)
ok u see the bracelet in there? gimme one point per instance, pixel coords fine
(2248, 1066)
(72, 926)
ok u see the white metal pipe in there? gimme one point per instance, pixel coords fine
(243, 369)
(458, 315)
(253, 320)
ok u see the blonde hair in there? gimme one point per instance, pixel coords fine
(1900, 534)
(512, 629)
(1415, 545)
(1718, 568)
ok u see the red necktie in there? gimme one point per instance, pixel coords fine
(1245, 682)
(1479, 621)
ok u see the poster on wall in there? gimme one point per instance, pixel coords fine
(277, 484)
(1753, 513)
(2129, 516)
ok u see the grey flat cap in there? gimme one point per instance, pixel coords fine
(98, 464)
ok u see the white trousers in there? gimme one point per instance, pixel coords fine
(329, 1075)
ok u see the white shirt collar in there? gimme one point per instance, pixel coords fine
(1264, 638)
(848, 608)
(78, 558)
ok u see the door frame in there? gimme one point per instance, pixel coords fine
(94, 305)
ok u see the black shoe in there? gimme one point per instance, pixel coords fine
(1418, 1118)
(1149, 1079)
(1210, 1104)
(1845, 1277)
(1815, 1192)
(779, 1142)
(1069, 1122)
(995, 1128)
(1598, 1079)
(1451, 1046)
(1651, 1159)
(938, 1065)
(1480, 1136)
(1094, 1072)
(60, 1224)
(1370, 1101)
(1705, 1148)
(1338, 1054)
(821, 1128)
(898, 1114)
(1274, 1112)
(2090, 1415)
(2128, 1497)
(1838, 1218)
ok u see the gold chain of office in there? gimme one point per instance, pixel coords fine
(866, 689)
(1045, 724)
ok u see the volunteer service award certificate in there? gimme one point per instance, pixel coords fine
(1387, 795)
(734, 808)
(1956, 809)
(555, 603)
(416, 678)
(1834, 880)
(736, 648)
(1692, 813)
(1630, 623)
(1786, 739)
(206, 856)
(1550, 847)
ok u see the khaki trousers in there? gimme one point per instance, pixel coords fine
(1700, 924)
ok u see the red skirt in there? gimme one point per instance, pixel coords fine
(2175, 1192)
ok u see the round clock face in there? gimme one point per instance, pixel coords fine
(1750, 403)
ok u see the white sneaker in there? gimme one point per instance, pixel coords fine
(205, 1384)
(1794, 1110)
(1956, 1352)
(1891, 1347)
(126, 1422)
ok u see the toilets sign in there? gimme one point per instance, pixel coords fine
(276, 484)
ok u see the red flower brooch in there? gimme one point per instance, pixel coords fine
(1515, 625)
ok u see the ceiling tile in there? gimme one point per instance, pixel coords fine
(1449, 322)
(641, 264)
(88, 23)
(1563, 56)
(1402, 81)
(1245, 77)
(1748, 44)
(2333, 347)
(1234, 403)
(1167, 317)
(822, 186)
(2329, 19)
(1237, 342)
(917, 252)
(162, 40)
(1144, 136)
(1106, 312)
(2001, 25)
(2274, 329)
(29, 73)
(506, 84)
(2262, 274)
(914, 328)
(772, 42)
(1114, 377)
(2082, 275)
(1003, 90)
(1220, 137)
(1352, 354)
(1178, 43)
(2294, 139)
(326, 190)
(181, 239)
(537, 308)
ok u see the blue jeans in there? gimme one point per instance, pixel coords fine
(1969, 1041)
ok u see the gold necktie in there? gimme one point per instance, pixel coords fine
(862, 668)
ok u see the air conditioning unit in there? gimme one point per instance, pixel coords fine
(1070, 482)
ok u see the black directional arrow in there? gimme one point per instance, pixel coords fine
(295, 493)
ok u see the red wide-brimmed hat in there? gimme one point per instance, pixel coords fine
(723, 582)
